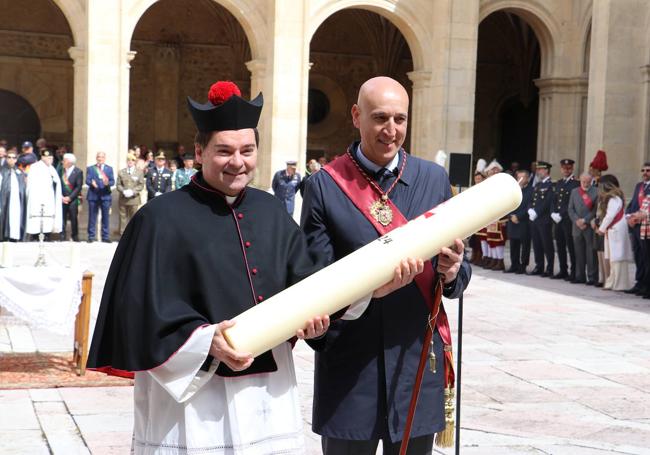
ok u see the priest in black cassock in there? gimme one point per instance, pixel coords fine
(164, 309)
(365, 368)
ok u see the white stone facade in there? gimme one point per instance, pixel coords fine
(594, 80)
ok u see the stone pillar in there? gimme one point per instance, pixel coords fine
(418, 124)
(560, 124)
(79, 110)
(285, 90)
(618, 34)
(257, 69)
(644, 118)
(450, 120)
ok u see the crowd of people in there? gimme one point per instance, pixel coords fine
(41, 189)
(584, 221)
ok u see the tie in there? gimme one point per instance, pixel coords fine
(384, 177)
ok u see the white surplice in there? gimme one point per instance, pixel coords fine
(181, 409)
(43, 190)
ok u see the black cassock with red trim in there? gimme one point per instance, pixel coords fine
(186, 259)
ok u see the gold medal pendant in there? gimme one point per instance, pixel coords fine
(381, 211)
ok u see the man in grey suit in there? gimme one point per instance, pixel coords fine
(582, 209)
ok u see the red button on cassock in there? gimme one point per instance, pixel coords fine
(254, 271)
(260, 298)
(240, 215)
(247, 244)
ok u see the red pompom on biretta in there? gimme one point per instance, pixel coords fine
(221, 91)
(600, 161)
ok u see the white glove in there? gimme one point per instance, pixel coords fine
(532, 214)
(556, 217)
(128, 193)
(158, 193)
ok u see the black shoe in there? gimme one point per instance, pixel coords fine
(520, 271)
(590, 283)
(574, 281)
(90, 240)
(559, 276)
(633, 290)
(535, 271)
(106, 241)
(646, 296)
(599, 285)
(511, 270)
(545, 275)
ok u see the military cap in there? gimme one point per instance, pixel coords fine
(567, 161)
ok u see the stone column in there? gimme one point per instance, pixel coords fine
(450, 120)
(618, 35)
(285, 90)
(418, 122)
(644, 118)
(79, 110)
(561, 120)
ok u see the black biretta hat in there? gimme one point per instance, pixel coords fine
(225, 109)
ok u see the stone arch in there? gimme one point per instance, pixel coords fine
(75, 14)
(405, 19)
(248, 15)
(539, 19)
(19, 121)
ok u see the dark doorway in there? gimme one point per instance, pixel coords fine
(518, 133)
(508, 62)
(18, 119)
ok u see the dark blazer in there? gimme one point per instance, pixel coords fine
(5, 193)
(633, 206)
(365, 367)
(76, 182)
(521, 230)
(542, 202)
(102, 192)
(561, 194)
(158, 182)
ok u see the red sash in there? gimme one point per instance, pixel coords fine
(618, 217)
(641, 196)
(356, 187)
(585, 198)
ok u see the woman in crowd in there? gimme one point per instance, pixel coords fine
(613, 226)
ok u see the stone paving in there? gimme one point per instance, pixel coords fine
(548, 368)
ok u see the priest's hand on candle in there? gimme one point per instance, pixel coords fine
(220, 350)
(450, 259)
(314, 328)
(404, 274)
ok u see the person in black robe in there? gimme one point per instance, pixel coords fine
(7, 174)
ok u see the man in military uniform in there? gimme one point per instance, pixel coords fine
(563, 224)
(184, 175)
(130, 182)
(539, 213)
(285, 185)
(159, 179)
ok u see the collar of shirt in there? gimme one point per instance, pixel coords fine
(372, 166)
(160, 169)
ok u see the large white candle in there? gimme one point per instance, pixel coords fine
(276, 320)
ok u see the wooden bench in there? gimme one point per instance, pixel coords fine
(81, 325)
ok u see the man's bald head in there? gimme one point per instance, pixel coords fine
(381, 115)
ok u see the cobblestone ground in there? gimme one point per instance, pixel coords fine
(548, 368)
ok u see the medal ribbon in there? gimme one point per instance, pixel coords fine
(585, 198)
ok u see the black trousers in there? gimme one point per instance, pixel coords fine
(543, 231)
(422, 445)
(71, 211)
(564, 240)
(520, 252)
(538, 248)
(640, 257)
